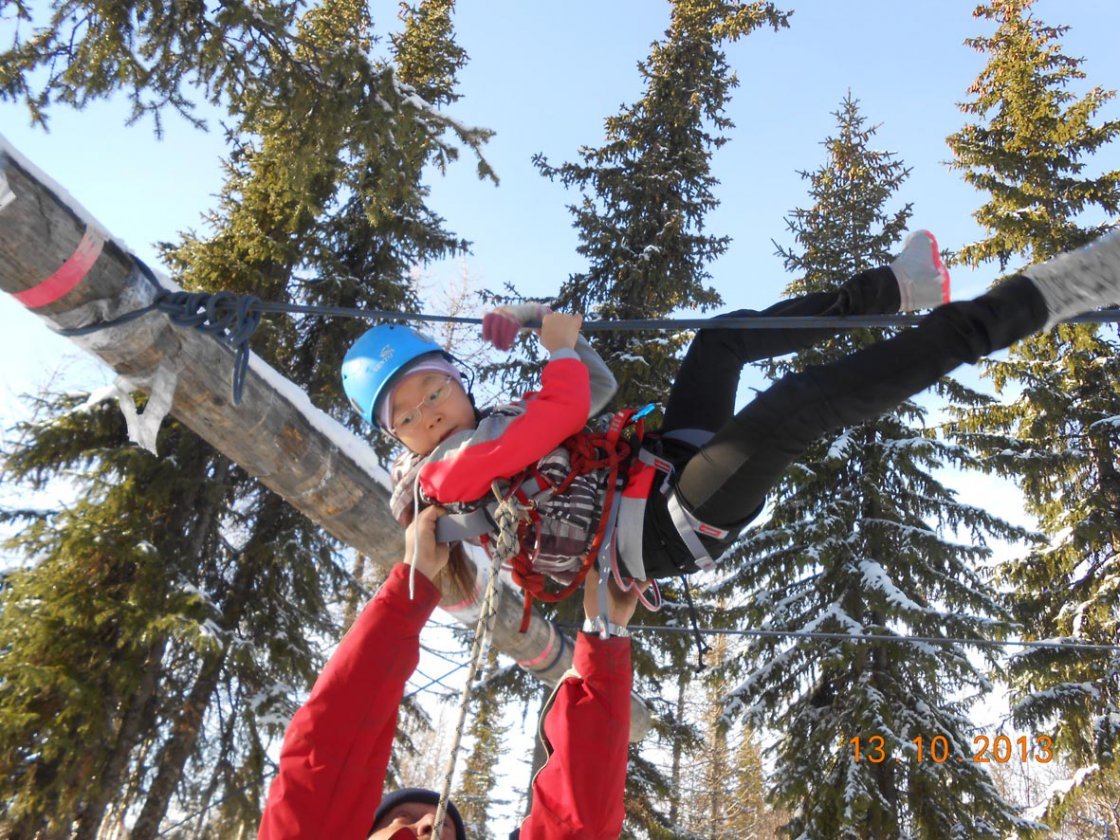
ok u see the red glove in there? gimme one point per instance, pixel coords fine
(500, 326)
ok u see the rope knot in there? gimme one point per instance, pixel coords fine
(508, 516)
(230, 317)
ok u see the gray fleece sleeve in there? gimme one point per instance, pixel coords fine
(603, 384)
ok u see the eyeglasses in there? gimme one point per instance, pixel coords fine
(438, 394)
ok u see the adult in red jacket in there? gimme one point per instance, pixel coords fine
(336, 749)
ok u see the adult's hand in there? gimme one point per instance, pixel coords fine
(420, 546)
(620, 605)
(500, 326)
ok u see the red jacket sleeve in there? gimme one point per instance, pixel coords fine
(579, 793)
(552, 415)
(336, 749)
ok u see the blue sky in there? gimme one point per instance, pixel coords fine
(544, 76)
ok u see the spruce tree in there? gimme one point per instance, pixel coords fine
(315, 211)
(112, 592)
(855, 546)
(160, 56)
(725, 792)
(1028, 150)
(644, 197)
(288, 185)
(647, 190)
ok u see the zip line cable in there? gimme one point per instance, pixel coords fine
(434, 681)
(747, 322)
(819, 635)
(233, 318)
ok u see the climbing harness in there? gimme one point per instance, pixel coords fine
(518, 520)
(509, 529)
(687, 527)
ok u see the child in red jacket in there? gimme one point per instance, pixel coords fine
(680, 508)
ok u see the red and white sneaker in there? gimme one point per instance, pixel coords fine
(923, 280)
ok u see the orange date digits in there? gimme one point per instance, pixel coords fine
(876, 753)
(1047, 745)
(1002, 749)
(999, 749)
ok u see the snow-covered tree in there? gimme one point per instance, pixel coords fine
(98, 629)
(855, 545)
(211, 631)
(647, 190)
(644, 197)
(1029, 150)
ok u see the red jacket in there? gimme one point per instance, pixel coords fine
(550, 416)
(586, 731)
(336, 749)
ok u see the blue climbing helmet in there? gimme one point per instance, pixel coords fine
(374, 364)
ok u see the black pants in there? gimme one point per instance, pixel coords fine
(742, 455)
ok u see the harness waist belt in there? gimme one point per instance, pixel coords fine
(458, 527)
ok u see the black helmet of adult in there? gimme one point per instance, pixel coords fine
(423, 796)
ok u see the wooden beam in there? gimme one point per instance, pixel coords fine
(275, 434)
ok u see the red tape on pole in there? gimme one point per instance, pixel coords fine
(69, 274)
(543, 655)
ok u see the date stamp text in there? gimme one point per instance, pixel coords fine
(1000, 749)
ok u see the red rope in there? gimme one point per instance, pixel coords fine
(587, 453)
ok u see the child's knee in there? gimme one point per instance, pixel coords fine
(793, 408)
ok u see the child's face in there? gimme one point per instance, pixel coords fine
(427, 408)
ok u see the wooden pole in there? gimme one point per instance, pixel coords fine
(275, 434)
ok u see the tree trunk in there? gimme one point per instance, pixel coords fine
(112, 776)
(354, 600)
(185, 729)
(683, 679)
(539, 755)
(217, 777)
(140, 711)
